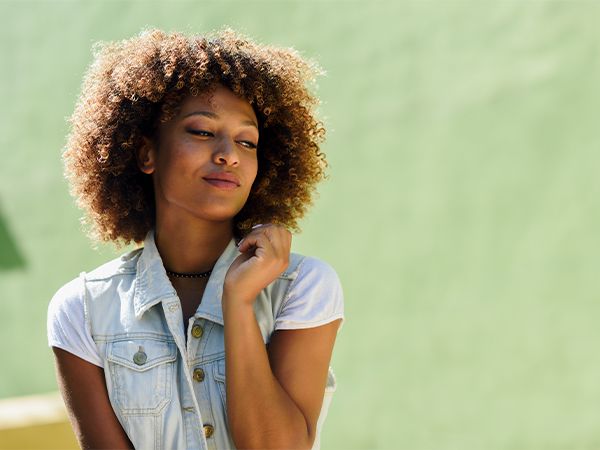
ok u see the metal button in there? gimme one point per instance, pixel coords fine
(208, 430)
(197, 331)
(140, 357)
(199, 375)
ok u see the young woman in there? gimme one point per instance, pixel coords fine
(213, 335)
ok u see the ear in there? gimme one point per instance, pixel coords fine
(146, 156)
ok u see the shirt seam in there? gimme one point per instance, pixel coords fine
(286, 295)
(112, 275)
(314, 322)
(86, 315)
(73, 350)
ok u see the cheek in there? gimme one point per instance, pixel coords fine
(177, 157)
(171, 169)
(251, 167)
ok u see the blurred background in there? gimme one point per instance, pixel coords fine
(461, 213)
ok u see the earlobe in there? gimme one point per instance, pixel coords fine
(145, 156)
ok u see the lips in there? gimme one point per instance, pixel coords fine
(223, 177)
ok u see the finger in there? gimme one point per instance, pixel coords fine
(276, 234)
(280, 239)
(254, 227)
(258, 240)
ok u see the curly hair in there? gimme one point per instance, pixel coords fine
(133, 85)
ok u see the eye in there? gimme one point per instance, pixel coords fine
(200, 132)
(248, 144)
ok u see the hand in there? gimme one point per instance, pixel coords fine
(265, 255)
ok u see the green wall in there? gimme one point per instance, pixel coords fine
(461, 213)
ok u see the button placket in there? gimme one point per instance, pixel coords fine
(192, 408)
(208, 430)
(196, 337)
(197, 331)
(198, 375)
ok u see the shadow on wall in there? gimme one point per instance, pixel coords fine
(10, 256)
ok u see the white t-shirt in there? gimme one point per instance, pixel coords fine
(315, 298)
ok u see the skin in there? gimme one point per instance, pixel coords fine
(283, 382)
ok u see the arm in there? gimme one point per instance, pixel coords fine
(83, 388)
(274, 396)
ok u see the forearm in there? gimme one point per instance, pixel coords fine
(94, 421)
(260, 412)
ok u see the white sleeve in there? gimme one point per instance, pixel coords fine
(67, 327)
(314, 298)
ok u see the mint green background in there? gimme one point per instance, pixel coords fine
(461, 214)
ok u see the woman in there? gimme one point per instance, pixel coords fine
(213, 334)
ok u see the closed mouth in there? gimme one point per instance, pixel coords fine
(225, 177)
(221, 183)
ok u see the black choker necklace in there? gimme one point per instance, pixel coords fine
(189, 275)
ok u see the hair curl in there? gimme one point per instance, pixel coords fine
(133, 85)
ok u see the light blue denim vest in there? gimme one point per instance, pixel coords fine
(167, 393)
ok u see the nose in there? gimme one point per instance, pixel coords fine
(226, 153)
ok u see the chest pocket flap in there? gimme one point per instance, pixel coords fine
(141, 354)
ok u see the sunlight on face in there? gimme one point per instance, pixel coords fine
(206, 158)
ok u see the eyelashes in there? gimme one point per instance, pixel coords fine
(200, 132)
(203, 133)
(249, 144)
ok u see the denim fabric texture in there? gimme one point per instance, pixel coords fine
(135, 318)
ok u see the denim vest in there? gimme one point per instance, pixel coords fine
(168, 393)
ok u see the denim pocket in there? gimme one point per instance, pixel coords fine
(142, 373)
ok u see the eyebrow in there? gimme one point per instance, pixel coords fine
(213, 115)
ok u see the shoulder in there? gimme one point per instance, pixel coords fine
(124, 264)
(313, 270)
(314, 296)
(68, 297)
(314, 266)
(67, 325)
(71, 294)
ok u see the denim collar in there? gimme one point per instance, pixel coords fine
(153, 284)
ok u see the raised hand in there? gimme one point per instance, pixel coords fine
(265, 255)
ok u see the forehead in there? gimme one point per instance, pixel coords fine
(221, 101)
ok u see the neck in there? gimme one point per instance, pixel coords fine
(191, 247)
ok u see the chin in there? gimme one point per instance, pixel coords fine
(217, 215)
